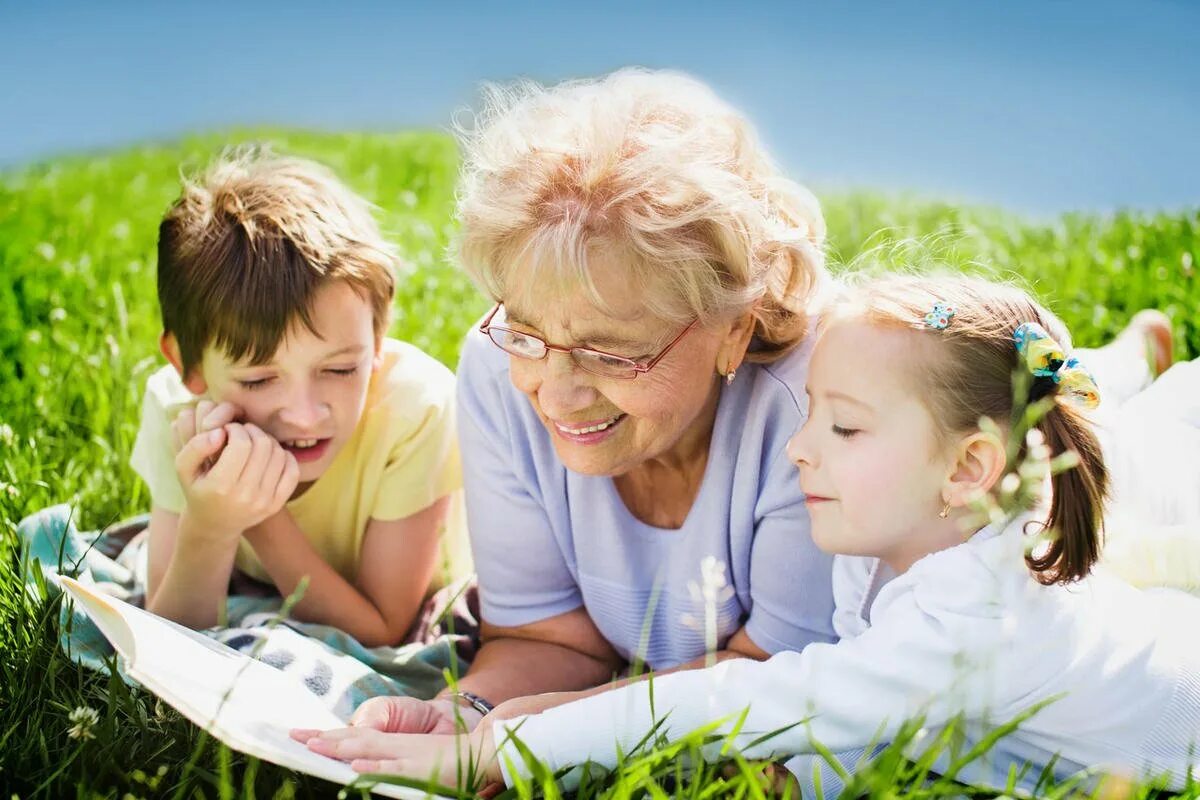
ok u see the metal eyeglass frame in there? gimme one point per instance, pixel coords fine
(486, 327)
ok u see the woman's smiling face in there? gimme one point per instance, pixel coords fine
(609, 426)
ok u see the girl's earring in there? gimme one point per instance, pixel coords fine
(730, 375)
(945, 512)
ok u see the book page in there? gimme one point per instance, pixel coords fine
(248, 705)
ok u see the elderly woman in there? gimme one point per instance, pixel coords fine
(625, 404)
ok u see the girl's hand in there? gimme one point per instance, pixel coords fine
(447, 760)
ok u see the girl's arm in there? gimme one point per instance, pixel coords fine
(398, 560)
(917, 659)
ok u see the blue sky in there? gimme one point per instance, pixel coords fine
(1036, 106)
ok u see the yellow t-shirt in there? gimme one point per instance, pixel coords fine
(402, 457)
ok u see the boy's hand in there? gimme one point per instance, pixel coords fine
(250, 480)
(205, 416)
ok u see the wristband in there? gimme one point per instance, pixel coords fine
(476, 702)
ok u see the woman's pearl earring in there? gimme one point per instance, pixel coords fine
(732, 371)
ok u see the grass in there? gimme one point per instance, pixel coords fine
(78, 333)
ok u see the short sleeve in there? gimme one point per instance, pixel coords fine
(793, 607)
(152, 457)
(422, 464)
(523, 575)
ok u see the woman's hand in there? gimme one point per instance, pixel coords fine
(467, 761)
(410, 715)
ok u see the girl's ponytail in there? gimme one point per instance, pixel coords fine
(1078, 499)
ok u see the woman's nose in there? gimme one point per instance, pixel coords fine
(564, 388)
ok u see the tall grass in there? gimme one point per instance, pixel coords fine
(78, 334)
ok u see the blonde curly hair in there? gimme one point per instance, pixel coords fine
(653, 171)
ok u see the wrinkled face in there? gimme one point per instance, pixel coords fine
(870, 464)
(608, 426)
(311, 394)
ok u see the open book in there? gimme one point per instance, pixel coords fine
(246, 704)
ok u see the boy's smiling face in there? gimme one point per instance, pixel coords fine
(310, 395)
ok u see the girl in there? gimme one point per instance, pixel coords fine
(939, 615)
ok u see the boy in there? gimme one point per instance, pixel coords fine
(288, 437)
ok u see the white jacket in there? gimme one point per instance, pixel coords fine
(964, 631)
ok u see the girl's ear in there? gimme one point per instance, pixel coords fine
(194, 380)
(980, 462)
(736, 341)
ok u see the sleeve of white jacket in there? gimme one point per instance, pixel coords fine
(922, 655)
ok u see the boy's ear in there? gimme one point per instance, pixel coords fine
(980, 462)
(377, 360)
(170, 348)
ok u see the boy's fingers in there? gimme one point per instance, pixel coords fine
(197, 450)
(287, 481)
(219, 416)
(261, 448)
(229, 466)
(273, 472)
(203, 409)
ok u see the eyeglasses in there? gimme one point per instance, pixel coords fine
(597, 362)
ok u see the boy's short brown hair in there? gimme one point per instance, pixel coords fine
(244, 249)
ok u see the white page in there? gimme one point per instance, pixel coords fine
(194, 674)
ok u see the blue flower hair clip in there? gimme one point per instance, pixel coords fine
(939, 318)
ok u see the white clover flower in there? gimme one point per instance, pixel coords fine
(6, 433)
(84, 718)
(58, 314)
(712, 579)
(708, 593)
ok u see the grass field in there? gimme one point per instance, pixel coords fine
(78, 333)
